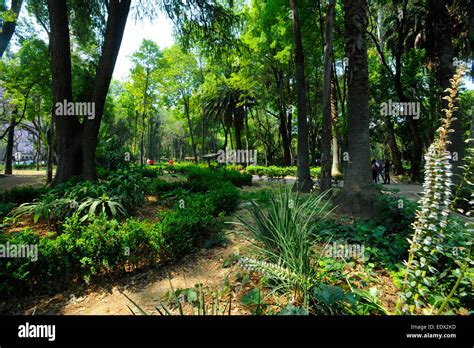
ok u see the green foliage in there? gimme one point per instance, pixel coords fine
(159, 186)
(279, 172)
(48, 208)
(22, 194)
(284, 231)
(5, 208)
(224, 199)
(81, 252)
(183, 229)
(128, 186)
(201, 179)
(102, 205)
(151, 171)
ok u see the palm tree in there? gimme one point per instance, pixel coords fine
(304, 182)
(228, 105)
(326, 136)
(358, 194)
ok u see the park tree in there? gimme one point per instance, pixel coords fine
(326, 135)
(358, 194)
(304, 183)
(8, 22)
(147, 63)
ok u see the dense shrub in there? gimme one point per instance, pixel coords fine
(5, 208)
(279, 172)
(202, 179)
(128, 186)
(159, 186)
(224, 199)
(17, 272)
(22, 194)
(27, 166)
(150, 171)
(183, 229)
(82, 251)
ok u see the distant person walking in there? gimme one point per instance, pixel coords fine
(375, 171)
(386, 169)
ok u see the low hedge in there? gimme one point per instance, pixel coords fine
(84, 252)
(279, 172)
(22, 194)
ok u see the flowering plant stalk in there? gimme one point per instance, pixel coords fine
(432, 215)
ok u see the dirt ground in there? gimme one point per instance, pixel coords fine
(23, 178)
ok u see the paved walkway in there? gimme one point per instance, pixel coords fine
(410, 191)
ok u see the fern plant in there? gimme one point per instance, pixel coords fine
(432, 216)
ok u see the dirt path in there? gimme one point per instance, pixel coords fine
(23, 178)
(146, 288)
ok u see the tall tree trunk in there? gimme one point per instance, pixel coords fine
(282, 117)
(8, 28)
(445, 71)
(10, 144)
(68, 128)
(284, 139)
(238, 125)
(358, 194)
(304, 182)
(116, 22)
(38, 151)
(326, 135)
(142, 144)
(394, 150)
(191, 133)
(50, 137)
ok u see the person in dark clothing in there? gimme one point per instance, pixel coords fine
(386, 169)
(375, 171)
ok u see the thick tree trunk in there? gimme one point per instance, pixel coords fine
(304, 182)
(68, 128)
(9, 150)
(116, 21)
(358, 194)
(326, 159)
(8, 28)
(445, 71)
